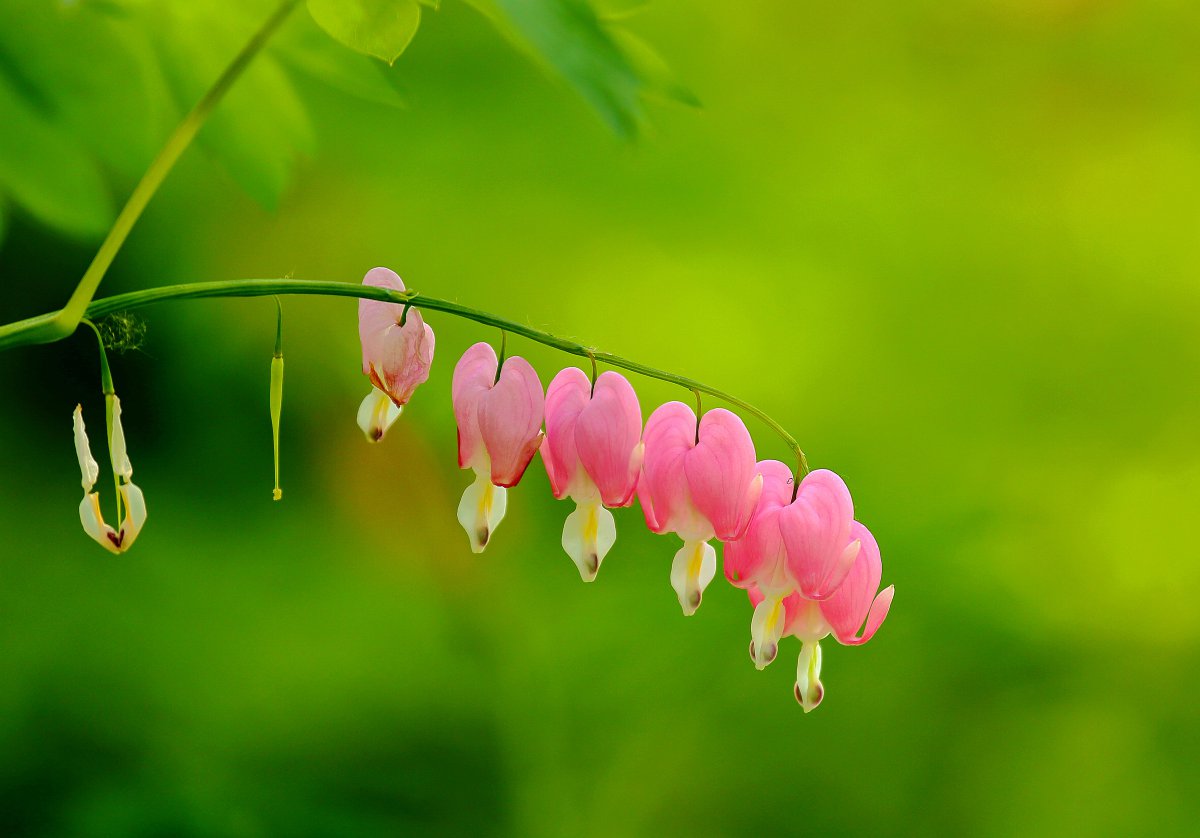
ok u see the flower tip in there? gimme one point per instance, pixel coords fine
(769, 652)
(589, 567)
(694, 566)
(811, 699)
(809, 690)
(480, 511)
(277, 493)
(376, 414)
(114, 540)
(588, 534)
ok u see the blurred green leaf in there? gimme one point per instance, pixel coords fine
(108, 80)
(261, 126)
(660, 81)
(570, 37)
(92, 73)
(306, 48)
(47, 171)
(619, 9)
(380, 28)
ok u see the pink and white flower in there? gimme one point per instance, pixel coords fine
(856, 604)
(499, 412)
(395, 357)
(593, 455)
(792, 544)
(699, 481)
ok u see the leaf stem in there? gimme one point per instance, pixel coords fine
(264, 287)
(51, 327)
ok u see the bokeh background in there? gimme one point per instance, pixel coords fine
(953, 247)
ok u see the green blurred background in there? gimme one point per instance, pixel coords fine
(952, 246)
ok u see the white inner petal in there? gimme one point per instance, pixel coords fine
(809, 690)
(766, 627)
(481, 510)
(376, 414)
(588, 534)
(694, 566)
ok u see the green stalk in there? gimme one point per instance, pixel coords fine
(48, 328)
(106, 387)
(264, 287)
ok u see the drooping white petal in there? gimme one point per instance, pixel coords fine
(809, 690)
(376, 414)
(588, 535)
(766, 627)
(116, 444)
(693, 568)
(135, 515)
(481, 510)
(93, 524)
(88, 467)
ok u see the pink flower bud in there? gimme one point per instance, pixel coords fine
(396, 358)
(499, 421)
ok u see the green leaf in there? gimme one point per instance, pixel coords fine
(303, 46)
(261, 126)
(91, 73)
(570, 37)
(381, 28)
(657, 76)
(47, 171)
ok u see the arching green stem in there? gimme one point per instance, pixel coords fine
(48, 328)
(263, 287)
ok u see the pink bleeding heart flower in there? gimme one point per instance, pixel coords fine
(801, 543)
(857, 603)
(699, 481)
(397, 351)
(499, 412)
(758, 561)
(816, 533)
(593, 455)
